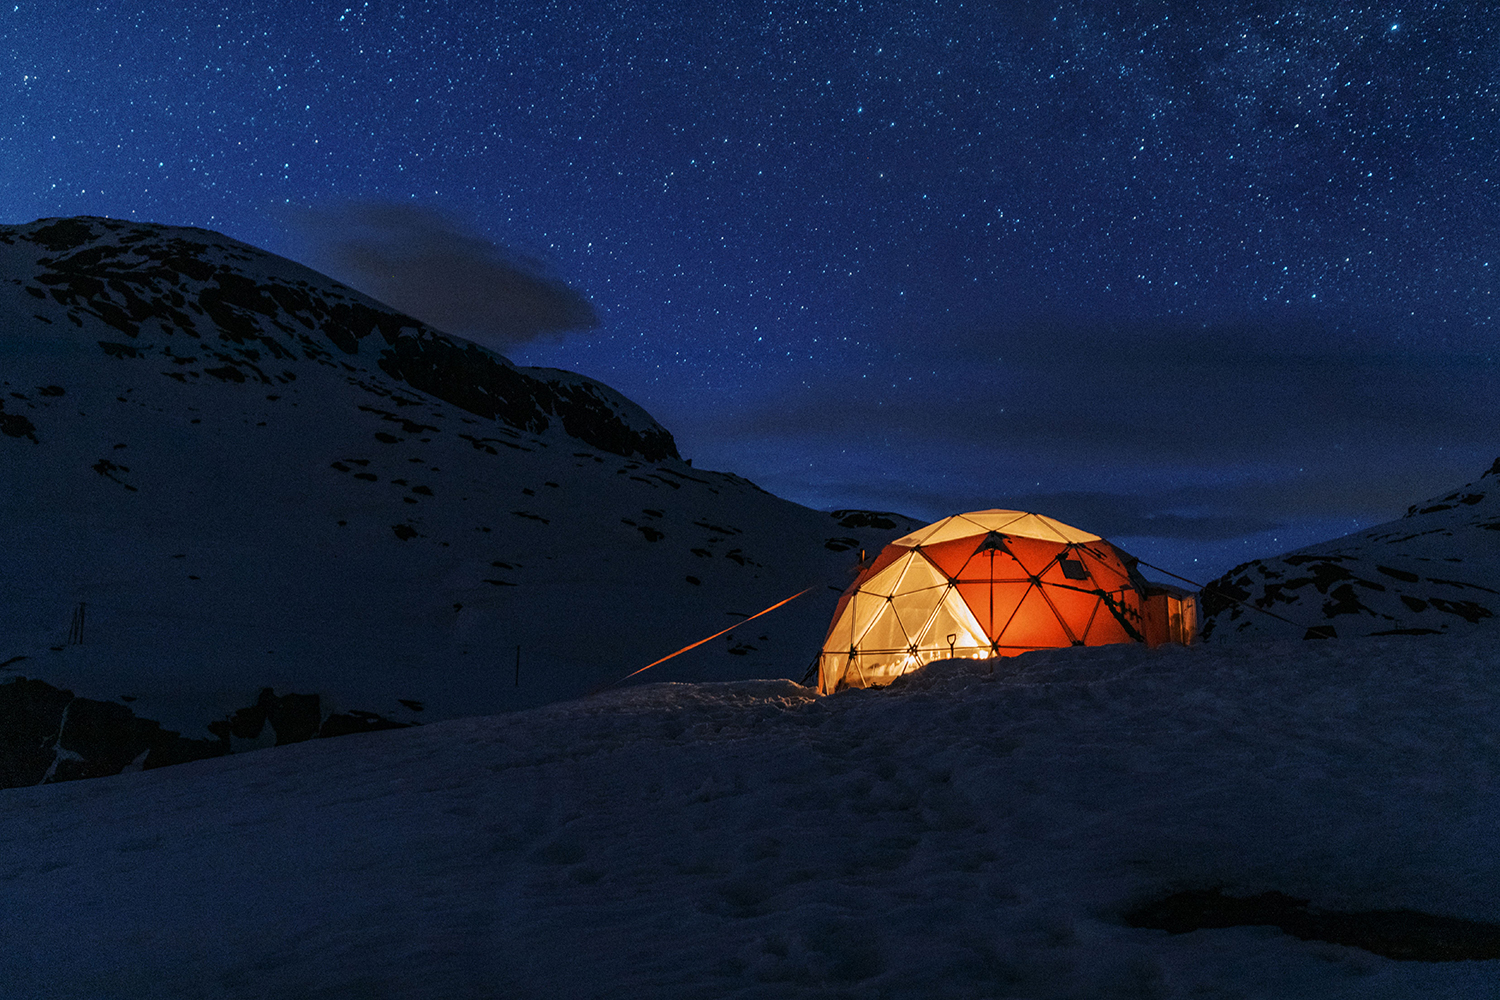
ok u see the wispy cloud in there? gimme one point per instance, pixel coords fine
(427, 264)
(1163, 430)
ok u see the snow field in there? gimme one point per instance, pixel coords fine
(965, 833)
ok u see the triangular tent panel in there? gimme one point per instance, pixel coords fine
(984, 584)
(1017, 523)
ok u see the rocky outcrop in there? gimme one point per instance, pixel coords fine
(1404, 935)
(48, 734)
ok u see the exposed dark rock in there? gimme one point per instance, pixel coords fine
(865, 519)
(30, 716)
(1467, 610)
(227, 373)
(107, 469)
(475, 380)
(1405, 935)
(64, 234)
(1461, 585)
(100, 738)
(115, 350)
(17, 426)
(294, 717)
(46, 734)
(1228, 594)
(345, 723)
(1343, 601)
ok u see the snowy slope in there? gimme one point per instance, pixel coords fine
(960, 834)
(277, 508)
(1435, 570)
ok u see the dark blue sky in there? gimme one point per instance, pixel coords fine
(1211, 282)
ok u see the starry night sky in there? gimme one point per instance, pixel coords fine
(1213, 284)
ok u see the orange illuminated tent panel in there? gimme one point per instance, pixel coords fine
(992, 583)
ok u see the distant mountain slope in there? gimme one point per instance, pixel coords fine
(243, 504)
(1436, 569)
(175, 285)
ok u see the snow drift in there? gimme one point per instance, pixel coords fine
(963, 833)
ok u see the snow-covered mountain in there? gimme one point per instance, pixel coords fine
(1434, 570)
(243, 504)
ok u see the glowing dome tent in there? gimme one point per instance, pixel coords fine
(992, 583)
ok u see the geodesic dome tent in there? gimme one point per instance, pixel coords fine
(991, 583)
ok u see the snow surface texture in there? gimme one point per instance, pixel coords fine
(271, 508)
(960, 834)
(1435, 570)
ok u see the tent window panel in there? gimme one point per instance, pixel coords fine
(1068, 569)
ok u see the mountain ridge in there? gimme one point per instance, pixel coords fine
(246, 505)
(1434, 569)
(131, 275)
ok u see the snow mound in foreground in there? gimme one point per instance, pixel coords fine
(964, 833)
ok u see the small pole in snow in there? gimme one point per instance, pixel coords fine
(518, 666)
(75, 631)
